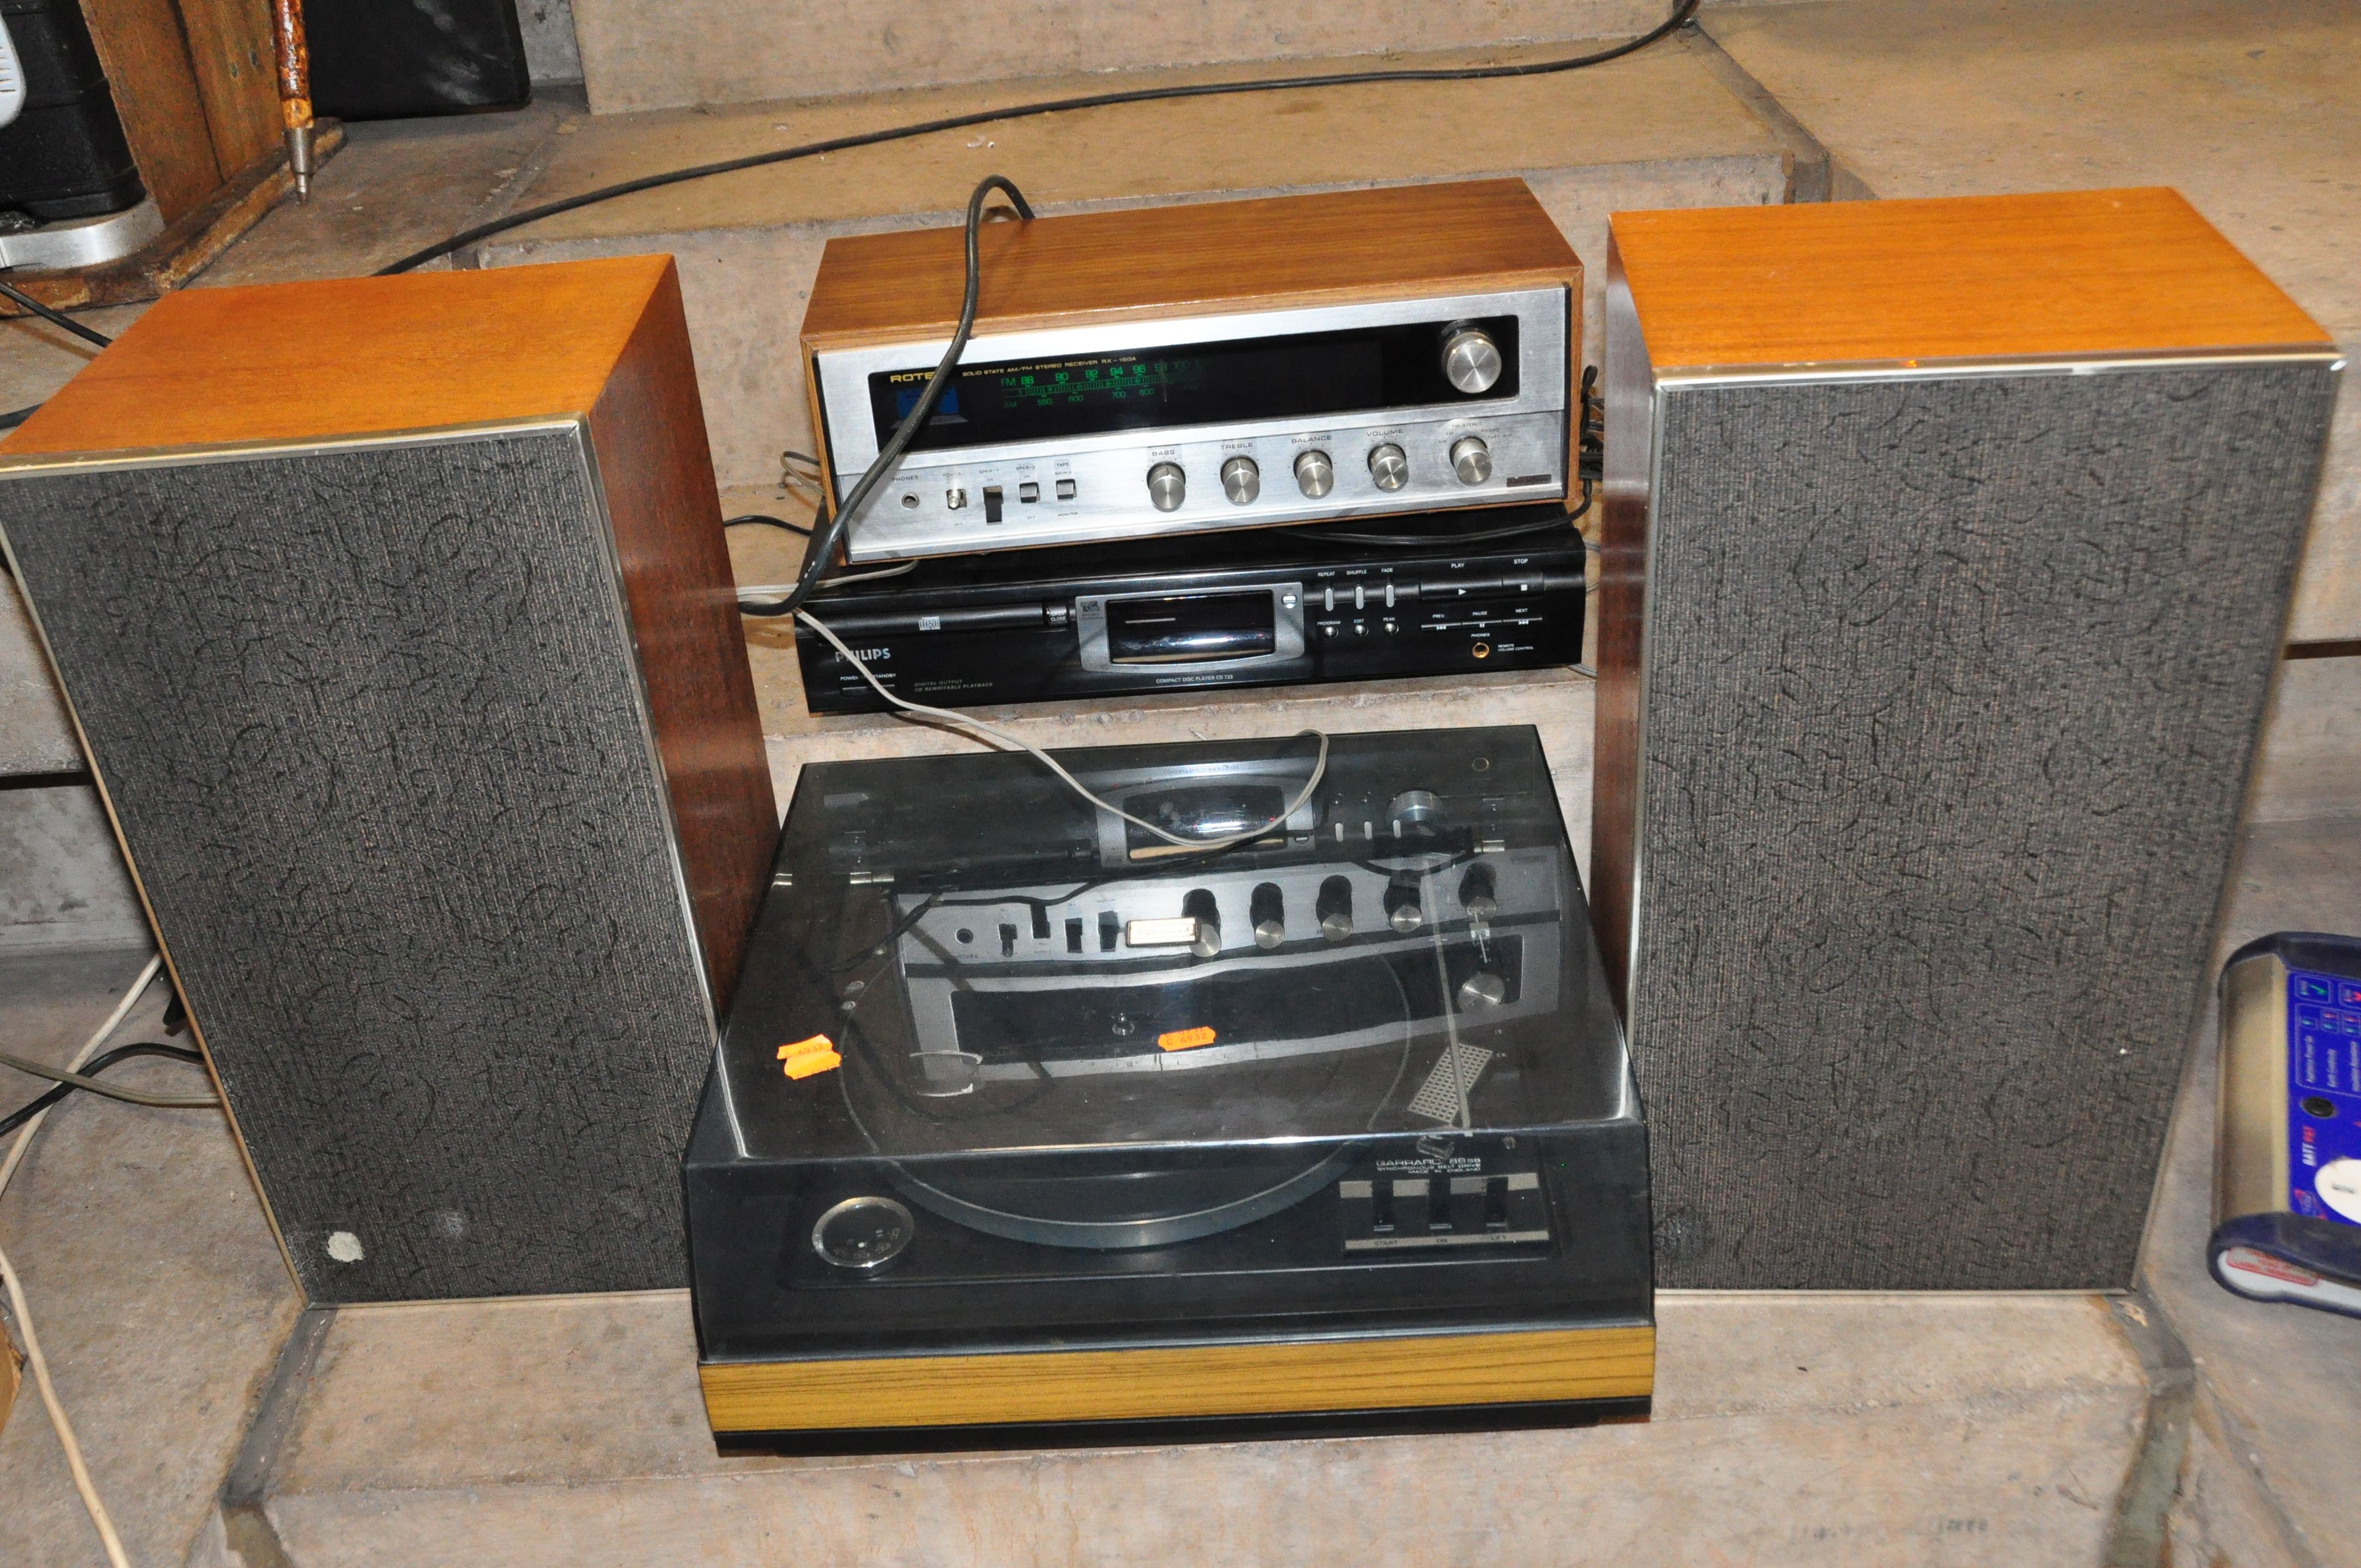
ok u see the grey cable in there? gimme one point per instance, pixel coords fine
(111, 1091)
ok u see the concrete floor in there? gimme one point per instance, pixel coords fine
(2032, 1429)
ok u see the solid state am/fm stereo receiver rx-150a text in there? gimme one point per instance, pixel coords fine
(1186, 368)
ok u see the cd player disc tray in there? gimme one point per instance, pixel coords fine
(1026, 1117)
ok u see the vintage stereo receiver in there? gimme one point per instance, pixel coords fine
(1176, 369)
(1027, 1118)
(1257, 609)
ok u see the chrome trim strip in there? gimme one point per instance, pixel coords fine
(1952, 369)
(13, 464)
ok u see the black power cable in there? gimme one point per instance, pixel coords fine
(34, 1107)
(55, 317)
(1682, 12)
(818, 558)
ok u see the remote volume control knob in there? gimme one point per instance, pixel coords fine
(1168, 487)
(1471, 360)
(1472, 459)
(1314, 475)
(1389, 467)
(1241, 480)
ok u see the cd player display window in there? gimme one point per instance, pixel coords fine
(1299, 377)
(1186, 628)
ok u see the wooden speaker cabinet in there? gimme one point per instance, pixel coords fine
(1948, 546)
(397, 620)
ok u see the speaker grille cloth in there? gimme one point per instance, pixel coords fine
(1952, 687)
(373, 732)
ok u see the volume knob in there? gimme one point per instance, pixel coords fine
(1241, 480)
(1168, 487)
(1314, 475)
(1389, 467)
(1471, 360)
(1471, 459)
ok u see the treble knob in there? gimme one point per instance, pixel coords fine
(1168, 487)
(1471, 459)
(1402, 911)
(1471, 360)
(1389, 467)
(1334, 910)
(1241, 480)
(1268, 910)
(1314, 475)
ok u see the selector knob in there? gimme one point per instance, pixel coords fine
(1270, 915)
(1389, 467)
(1168, 487)
(1478, 893)
(1314, 475)
(1472, 459)
(1200, 906)
(1471, 360)
(1335, 908)
(1241, 480)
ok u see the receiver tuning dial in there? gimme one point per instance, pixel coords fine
(1389, 467)
(1471, 360)
(1241, 480)
(1168, 487)
(1471, 459)
(1314, 475)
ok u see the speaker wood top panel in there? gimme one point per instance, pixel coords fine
(1981, 278)
(1219, 254)
(351, 356)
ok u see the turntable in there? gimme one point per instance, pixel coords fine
(1027, 1120)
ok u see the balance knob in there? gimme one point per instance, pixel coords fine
(1471, 360)
(1472, 458)
(1389, 467)
(1241, 480)
(1314, 475)
(1168, 487)
(1268, 912)
(1335, 908)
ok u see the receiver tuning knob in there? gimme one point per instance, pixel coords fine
(1168, 487)
(1471, 360)
(1389, 467)
(1241, 480)
(1471, 459)
(1314, 475)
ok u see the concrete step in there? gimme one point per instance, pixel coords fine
(1923, 1430)
(2246, 109)
(703, 52)
(1656, 129)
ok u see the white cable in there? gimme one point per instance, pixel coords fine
(33, 1356)
(1319, 765)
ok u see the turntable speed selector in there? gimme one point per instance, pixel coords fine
(1315, 476)
(1471, 360)
(1168, 487)
(1389, 467)
(1241, 480)
(1471, 459)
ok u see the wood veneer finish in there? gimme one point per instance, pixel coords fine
(1193, 259)
(2086, 273)
(647, 429)
(352, 356)
(1423, 1373)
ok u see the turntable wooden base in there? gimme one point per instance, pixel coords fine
(1168, 1383)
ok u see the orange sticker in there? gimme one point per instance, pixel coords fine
(805, 1057)
(1185, 1039)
